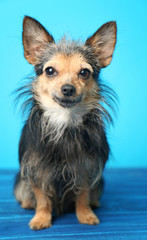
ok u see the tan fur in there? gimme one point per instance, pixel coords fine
(23, 195)
(47, 90)
(68, 68)
(43, 217)
(35, 38)
(27, 204)
(103, 42)
(84, 212)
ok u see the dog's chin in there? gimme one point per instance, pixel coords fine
(66, 102)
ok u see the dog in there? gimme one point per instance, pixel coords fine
(63, 147)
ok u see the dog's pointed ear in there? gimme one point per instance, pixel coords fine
(35, 38)
(103, 43)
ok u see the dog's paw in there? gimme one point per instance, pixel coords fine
(38, 223)
(88, 217)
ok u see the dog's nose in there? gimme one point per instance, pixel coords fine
(68, 90)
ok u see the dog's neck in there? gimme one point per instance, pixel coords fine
(55, 120)
(66, 116)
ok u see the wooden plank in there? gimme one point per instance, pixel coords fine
(123, 211)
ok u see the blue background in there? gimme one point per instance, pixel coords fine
(127, 74)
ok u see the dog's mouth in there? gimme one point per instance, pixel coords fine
(66, 102)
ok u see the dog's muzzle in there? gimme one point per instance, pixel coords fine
(68, 98)
(67, 102)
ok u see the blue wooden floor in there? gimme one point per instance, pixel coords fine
(123, 211)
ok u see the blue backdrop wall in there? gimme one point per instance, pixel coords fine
(127, 73)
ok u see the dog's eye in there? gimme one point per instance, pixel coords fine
(50, 71)
(84, 73)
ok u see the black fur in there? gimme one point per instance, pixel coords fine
(63, 149)
(62, 168)
(76, 153)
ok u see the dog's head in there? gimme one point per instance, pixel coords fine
(67, 72)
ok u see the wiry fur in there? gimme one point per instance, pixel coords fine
(63, 150)
(64, 141)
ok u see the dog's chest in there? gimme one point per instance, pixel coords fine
(72, 161)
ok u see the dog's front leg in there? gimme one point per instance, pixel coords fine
(84, 212)
(43, 215)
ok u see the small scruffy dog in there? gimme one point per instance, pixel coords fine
(63, 147)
